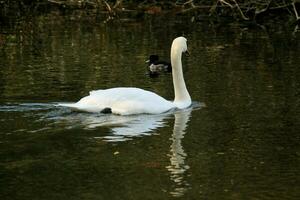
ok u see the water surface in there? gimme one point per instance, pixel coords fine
(239, 140)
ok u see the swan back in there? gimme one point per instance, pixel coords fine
(123, 101)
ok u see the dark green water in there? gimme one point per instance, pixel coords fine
(240, 140)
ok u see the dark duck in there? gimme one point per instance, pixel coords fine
(155, 66)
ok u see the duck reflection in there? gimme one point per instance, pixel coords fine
(178, 167)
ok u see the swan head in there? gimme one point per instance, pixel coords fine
(180, 44)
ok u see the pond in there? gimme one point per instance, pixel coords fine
(239, 140)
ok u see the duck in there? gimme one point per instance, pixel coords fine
(155, 66)
(158, 65)
(133, 100)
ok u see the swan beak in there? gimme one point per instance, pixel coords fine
(187, 53)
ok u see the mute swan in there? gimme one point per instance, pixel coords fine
(130, 100)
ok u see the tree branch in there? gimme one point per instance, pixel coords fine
(295, 11)
(241, 12)
(232, 6)
(226, 3)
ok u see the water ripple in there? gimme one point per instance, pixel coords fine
(120, 128)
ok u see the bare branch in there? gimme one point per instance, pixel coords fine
(232, 6)
(118, 3)
(56, 2)
(189, 2)
(226, 3)
(107, 6)
(241, 12)
(295, 10)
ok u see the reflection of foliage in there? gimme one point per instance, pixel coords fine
(238, 9)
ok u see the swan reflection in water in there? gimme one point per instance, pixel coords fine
(124, 128)
(120, 128)
(144, 125)
(178, 167)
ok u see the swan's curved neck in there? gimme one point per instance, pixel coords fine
(182, 96)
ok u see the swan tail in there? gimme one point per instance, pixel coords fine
(86, 108)
(73, 106)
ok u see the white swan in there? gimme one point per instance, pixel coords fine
(128, 101)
